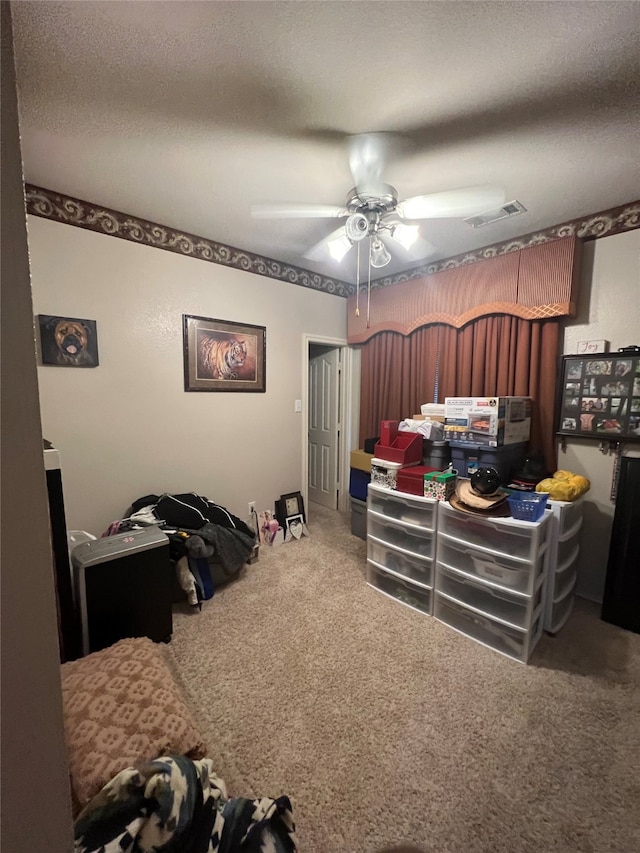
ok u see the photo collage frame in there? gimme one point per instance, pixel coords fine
(599, 396)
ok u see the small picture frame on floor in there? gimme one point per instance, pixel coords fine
(288, 506)
(295, 528)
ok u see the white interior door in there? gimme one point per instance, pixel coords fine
(324, 424)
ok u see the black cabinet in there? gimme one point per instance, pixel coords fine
(68, 621)
(621, 604)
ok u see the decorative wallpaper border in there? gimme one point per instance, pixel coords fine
(84, 214)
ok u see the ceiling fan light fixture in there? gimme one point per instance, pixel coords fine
(356, 227)
(339, 247)
(379, 255)
(406, 235)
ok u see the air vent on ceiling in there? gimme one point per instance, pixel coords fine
(511, 208)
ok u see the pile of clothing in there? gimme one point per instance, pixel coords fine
(175, 804)
(208, 544)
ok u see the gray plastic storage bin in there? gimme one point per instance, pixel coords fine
(467, 458)
(359, 518)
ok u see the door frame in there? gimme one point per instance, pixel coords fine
(349, 407)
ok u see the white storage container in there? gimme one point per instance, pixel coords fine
(523, 539)
(418, 569)
(413, 596)
(385, 473)
(403, 507)
(510, 609)
(511, 573)
(508, 641)
(408, 537)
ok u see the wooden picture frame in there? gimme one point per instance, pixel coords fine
(220, 355)
(598, 396)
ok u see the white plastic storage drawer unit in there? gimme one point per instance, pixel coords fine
(501, 638)
(564, 549)
(401, 541)
(418, 597)
(522, 539)
(490, 579)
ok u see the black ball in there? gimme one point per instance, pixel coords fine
(485, 481)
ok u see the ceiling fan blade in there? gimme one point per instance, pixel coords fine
(368, 154)
(417, 249)
(297, 211)
(453, 203)
(323, 249)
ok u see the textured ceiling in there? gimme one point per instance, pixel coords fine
(187, 113)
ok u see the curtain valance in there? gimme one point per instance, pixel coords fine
(534, 283)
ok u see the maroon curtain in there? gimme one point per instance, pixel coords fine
(499, 356)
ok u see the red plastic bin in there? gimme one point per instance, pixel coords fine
(406, 449)
(411, 480)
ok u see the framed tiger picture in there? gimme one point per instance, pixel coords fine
(220, 355)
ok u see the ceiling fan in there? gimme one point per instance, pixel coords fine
(372, 209)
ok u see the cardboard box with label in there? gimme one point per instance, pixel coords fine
(488, 421)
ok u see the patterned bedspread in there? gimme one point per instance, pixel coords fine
(175, 805)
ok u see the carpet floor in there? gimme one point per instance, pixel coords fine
(385, 726)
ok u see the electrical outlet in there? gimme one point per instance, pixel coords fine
(252, 507)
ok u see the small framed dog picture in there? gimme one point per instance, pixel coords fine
(68, 341)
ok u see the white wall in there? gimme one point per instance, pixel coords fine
(34, 753)
(609, 309)
(127, 428)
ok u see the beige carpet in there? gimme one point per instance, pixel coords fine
(385, 726)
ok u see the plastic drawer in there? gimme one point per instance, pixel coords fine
(513, 610)
(523, 539)
(561, 611)
(508, 641)
(567, 513)
(516, 575)
(407, 593)
(567, 544)
(412, 539)
(411, 509)
(418, 569)
(565, 576)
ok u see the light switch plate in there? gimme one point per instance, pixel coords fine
(297, 406)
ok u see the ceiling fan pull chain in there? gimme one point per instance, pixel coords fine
(358, 281)
(369, 287)
(437, 376)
